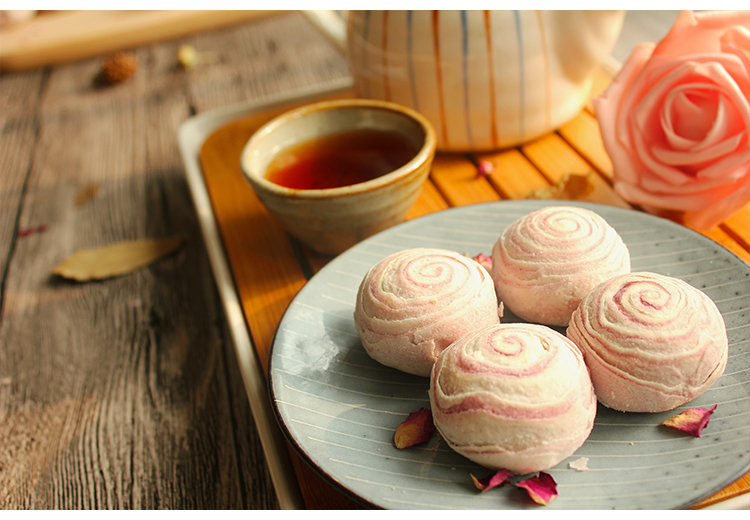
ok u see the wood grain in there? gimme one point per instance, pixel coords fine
(118, 387)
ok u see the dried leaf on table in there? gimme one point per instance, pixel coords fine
(86, 193)
(571, 187)
(116, 259)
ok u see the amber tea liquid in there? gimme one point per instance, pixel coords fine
(340, 159)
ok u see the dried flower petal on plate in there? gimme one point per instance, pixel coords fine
(691, 421)
(491, 481)
(484, 260)
(116, 259)
(542, 488)
(416, 429)
(579, 464)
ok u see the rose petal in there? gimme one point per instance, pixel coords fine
(691, 421)
(699, 32)
(618, 99)
(416, 429)
(737, 41)
(484, 260)
(542, 489)
(24, 232)
(729, 202)
(491, 481)
(484, 168)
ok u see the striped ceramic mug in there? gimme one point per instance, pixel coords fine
(485, 79)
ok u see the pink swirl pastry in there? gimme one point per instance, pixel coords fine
(547, 261)
(413, 304)
(513, 396)
(651, 342)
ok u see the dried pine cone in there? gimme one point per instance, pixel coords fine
(119, 67)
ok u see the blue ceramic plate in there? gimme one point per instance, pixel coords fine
(340, 409)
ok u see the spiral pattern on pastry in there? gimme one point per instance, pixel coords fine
(545, 262)
(414, 303)
(651, 342)
(513, 396)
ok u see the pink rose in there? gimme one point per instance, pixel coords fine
(675, 121)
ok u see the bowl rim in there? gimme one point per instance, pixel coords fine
(421, 157)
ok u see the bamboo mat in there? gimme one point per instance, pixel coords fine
(269, 269)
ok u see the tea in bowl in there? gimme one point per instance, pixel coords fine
(335, 172)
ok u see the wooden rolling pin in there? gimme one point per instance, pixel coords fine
(62, 36)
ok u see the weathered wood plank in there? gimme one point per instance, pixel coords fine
(115, 392)
(256, 61)
(18, 135)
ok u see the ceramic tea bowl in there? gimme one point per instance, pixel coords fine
(331, 220)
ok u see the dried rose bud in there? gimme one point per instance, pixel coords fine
(484, 260)
(187, 56)
(484, 168)
(416, 429)
(542, 489)
(491, 481)
(691, 421)
(119, 67)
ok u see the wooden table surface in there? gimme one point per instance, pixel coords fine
(126, 393)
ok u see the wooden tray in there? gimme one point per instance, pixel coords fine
(260, 269)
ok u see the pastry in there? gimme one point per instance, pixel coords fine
(651, 342)
(513, 396)
(414, 303)
(547, 261)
